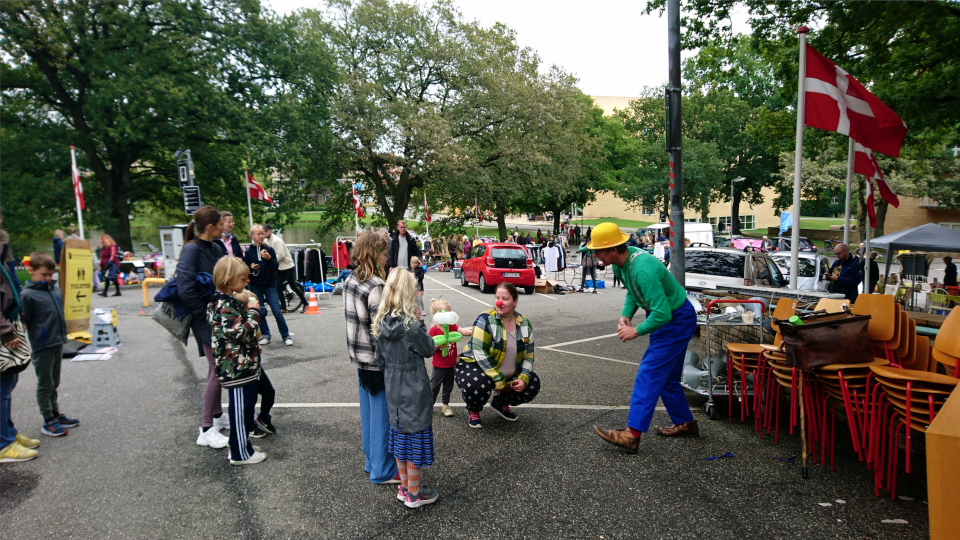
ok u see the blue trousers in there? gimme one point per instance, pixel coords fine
(8, 433)
(375, 430)
(268, 296)
(659, 373)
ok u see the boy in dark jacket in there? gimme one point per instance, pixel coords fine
(41, 311)
(236, 331)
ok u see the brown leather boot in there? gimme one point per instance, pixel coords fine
(620, 437)
(687, 429)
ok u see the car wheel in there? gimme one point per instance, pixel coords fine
(463, 278)
(529, 290)
(483, 285)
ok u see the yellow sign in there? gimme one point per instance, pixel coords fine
(76, 283)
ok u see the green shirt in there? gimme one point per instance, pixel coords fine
(650, 286)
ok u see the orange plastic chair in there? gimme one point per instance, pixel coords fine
(832, 305)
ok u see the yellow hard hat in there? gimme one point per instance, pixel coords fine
(606, 235)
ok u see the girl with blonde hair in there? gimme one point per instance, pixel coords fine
(402, 343)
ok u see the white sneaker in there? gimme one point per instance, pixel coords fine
(288, 342)
(221, 423)
(257, 457)
(212, 438)
(264, 341)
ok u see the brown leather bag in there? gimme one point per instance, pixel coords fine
(827, 338)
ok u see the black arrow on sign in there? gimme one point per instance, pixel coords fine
(79, 296)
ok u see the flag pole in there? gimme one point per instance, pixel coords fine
(866, 251)
(356, 203)
(846, 211)
(246, 187)
(74, 171)
(426, 210)
(795, 235)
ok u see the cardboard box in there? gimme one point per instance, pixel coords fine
(544, 286)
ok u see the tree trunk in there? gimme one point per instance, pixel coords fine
(501, 220)
(705, 207)
(556, 222)
(115, 182)
(735, 212)
(881, 217)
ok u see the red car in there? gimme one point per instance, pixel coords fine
(492, 264)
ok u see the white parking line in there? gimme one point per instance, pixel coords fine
(524, 406)
(459, 292)
(547, 296)
(605, 336)
(591, 356)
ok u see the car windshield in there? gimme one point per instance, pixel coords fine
(768, 274)
(807, 266)
(714, 263)
(508, 253)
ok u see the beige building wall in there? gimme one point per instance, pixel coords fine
(609, 205)
(916, 212)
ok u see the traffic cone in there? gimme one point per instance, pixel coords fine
(312, 308)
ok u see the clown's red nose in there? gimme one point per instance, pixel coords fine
(499, 303)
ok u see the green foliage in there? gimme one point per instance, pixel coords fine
(129, 83)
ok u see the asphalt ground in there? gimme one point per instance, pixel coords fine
(132, 468)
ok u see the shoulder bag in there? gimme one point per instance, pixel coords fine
(166, 311)
(16, 360)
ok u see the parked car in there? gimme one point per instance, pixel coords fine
(711, 268)
(696, 232)
(739, 242)
(782, 243)
(813, 270)
(489, 265)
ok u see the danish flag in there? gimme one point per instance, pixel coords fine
(256, 190)
(77, 185)
(357, 207)
(865, 163)
(835, 101)
(426, 208)
(477, 208)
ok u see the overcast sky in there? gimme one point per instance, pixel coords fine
(610, 45)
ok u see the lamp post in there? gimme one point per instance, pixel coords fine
(730, 226)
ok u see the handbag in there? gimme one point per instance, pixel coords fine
(166, 314)
(16, 360)
(826, 338)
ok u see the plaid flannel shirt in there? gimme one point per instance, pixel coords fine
(360, 304)
(488, 348)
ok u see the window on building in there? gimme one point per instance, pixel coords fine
(748, 222)
(325, 197)
(302, 183)
(835, 200)
(648, 210)
(954, 226)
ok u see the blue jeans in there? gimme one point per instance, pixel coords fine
(268, 295)
(375, 433)
(7, 431)
(659, 373)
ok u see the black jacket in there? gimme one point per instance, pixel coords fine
(266, 275)
(850, 274)
(197, 256)
(41, 311)
(412, 250)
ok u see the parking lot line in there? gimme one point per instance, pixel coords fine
(547, 296)
(459, 292)
(551, 349)
(565, 343)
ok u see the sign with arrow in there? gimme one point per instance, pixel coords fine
(76, 283)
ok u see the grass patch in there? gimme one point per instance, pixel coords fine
(822, 224)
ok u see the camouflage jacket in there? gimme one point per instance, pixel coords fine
(235, 341)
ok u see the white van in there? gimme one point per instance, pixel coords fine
(697, 233)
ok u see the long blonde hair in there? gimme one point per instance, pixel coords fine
(398, 300)
(365, 255)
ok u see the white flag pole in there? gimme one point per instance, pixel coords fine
(74, 177)
(866, 251)
(795, 236)
(246, 187)
(846, 211)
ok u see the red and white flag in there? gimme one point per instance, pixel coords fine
(426, 208)
(256, 190)
(77, 185)
(835, 101)
(865, 163)
(477, 208)
(357, 207)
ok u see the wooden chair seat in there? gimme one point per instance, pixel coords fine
(914, 375)
(744, 348)
(773, 348)
(948, 343)
(914, 387)
(847, 376)
(916, 397)
(865, 366)
(918, 411)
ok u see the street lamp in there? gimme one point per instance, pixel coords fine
(732, 182)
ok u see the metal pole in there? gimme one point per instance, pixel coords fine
(795, 236)
(675, 143)
(246, 188)
(846, 210)
(730, 225)
(74, 171)
(866, 252)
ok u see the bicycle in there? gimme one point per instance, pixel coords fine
(291, 298)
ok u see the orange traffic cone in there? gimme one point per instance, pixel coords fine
(312, 308)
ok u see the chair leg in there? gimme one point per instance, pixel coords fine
(908, 430)
(729, 388)
(793, 399)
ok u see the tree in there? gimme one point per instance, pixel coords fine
(132, 82)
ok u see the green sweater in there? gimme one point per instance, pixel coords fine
(650, 286)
